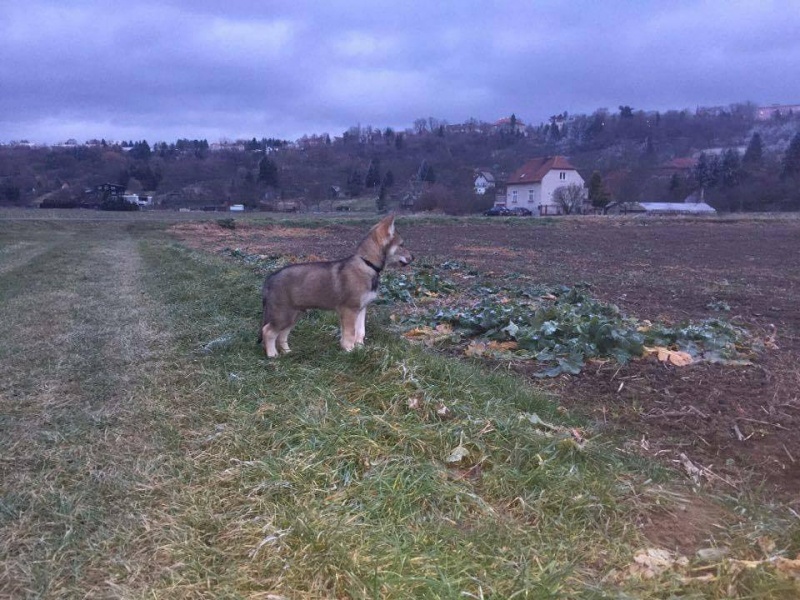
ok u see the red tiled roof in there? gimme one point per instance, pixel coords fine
(684, 163)
(535, 169)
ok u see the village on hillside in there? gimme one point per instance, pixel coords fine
(737, 158)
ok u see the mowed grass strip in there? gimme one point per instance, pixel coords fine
(81, 447)
(150, 450)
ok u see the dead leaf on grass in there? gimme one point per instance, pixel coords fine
(785, 567)
(652, 562)
(458, 454)
(789, 568)
(443, 412)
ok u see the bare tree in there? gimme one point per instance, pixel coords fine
(570, 198)
(420, 126)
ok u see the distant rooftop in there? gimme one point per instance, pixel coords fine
(535, 169)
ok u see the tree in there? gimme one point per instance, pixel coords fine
(380, 202)
(705, 171)
(569, 198)
(598, 196)
(373, 178)
(677, 190)
(426, 173)
(430, 175)
(355, 183)
(791, 160)
(730, 169)
(141, 150)
(388, 179)
(555, 132)
(625, 112)
(10, 194)
(268, 172)
(754, 154)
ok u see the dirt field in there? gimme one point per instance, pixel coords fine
(741, 423)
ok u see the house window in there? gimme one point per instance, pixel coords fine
(514, 197)
(530, 195)
(562, 175)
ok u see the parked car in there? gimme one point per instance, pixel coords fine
(497, 211)
(521, 211)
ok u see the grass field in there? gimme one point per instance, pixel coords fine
(149, 450)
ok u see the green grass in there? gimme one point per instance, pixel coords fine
(149, 449)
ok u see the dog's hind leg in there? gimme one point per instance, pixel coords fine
(283, 340)
(283, 334)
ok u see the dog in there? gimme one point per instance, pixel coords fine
(346, 286)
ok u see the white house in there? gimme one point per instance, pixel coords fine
(532, 185)
(483, 181)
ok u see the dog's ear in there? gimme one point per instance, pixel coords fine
(386, 225)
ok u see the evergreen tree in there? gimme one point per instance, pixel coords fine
(791, 160)
(597, 192)
(754, 154)
(373, 178)
(425, 172)
(380, 202)
(388, 179)
(268, 172)
(677, 188)
(355, 183)
(730, 169)
(141, 150)
(430, 175)
(705, 171)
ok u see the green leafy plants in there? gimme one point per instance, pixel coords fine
(562, 327)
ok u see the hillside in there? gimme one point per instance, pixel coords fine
(639, 156)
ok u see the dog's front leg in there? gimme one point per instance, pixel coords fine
(347, 321)
(361, 326)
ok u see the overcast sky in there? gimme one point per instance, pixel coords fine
(166, 69)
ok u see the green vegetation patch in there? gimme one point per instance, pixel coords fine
(559, 327)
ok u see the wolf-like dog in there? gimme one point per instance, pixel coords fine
(346, 286)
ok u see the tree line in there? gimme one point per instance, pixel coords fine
(739, 163)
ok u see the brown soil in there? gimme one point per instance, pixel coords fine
(742, 423)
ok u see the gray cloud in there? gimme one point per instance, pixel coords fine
(168, 69)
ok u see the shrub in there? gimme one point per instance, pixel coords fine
(117, 203)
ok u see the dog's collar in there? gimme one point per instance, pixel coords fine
(372, 266)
